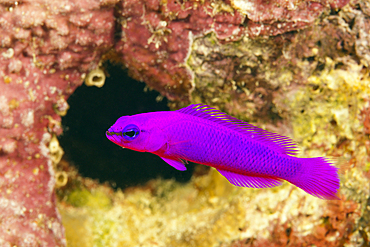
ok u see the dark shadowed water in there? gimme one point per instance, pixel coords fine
(92, 111)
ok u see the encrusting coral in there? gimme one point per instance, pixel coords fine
(46, 49)
(157, 36)
(207, 211)
(299, 68)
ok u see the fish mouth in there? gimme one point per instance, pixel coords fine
(112, 133)
(113, 136)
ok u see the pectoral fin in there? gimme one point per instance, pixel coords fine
(176, 163)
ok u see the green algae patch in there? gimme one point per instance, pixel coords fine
(329, 106)
(84, 216)
(91, 199)
(326, 117)
(326, 109)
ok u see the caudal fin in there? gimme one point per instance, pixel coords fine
(319, 178)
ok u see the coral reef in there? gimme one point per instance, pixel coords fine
(311, 85)
(299, 68)
(157, 36)
(45, 52)
(208, 211)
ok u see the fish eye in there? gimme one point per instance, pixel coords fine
(130, 132)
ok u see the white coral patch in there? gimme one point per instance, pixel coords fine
(7, 122)
(4, 106)
(8, 53)
(51, 183)
(342, 117)
(15, 66)
(27, 119)
(44, 149)
(244, 7)
(10, 146)
(10, 205)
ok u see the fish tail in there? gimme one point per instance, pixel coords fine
(318, 177)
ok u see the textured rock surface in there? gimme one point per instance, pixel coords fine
(46, 49)
(311, 85)
(157, 35)
(207, 211)
(244, 57)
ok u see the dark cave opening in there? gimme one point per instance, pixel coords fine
(92, 111)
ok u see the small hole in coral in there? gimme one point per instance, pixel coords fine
(96, 78)
(311, 59)
(288, 231)
(315, 87)
(248, 240)
(334, 11)
(320, 66)
(339, 65)
(61, 178)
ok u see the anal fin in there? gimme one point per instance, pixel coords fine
(176, 163)
(249, 181)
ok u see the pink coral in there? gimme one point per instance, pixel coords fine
(156, 36)
(47, 47)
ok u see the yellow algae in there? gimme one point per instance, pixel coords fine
(367, 167)
(354, 185)
(7, 79)
(327, 108)
(207, 211)
(35, 171)
(77, 229)
(173, 215)
(13, 104)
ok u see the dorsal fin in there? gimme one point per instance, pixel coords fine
(275, 141)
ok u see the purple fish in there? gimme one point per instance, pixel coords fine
(245, 155)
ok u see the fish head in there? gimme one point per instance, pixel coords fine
(138, 132)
